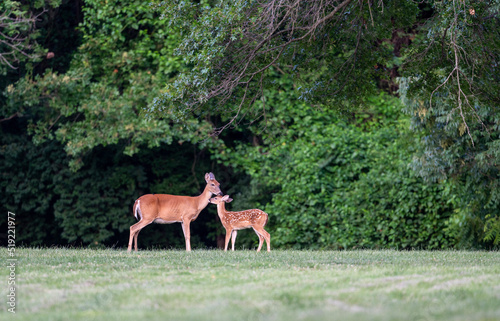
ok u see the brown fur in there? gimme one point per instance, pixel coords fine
(234, 221)
(166, 209)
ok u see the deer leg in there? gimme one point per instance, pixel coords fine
(233, 238)
(228, 236)
(134, 231)
(187, 234)
(130, 239)
(135, 239)
(261, 239)
(263, 234)
(267, 236)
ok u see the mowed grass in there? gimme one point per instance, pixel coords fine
(85, 284)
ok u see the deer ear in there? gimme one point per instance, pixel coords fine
(209, 176)
(225, 198)
(229, 200)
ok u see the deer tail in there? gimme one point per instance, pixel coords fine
(267, 219)
(137, 210)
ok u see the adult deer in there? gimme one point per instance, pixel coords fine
(234, 221)
(166, 209)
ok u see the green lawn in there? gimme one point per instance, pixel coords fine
(84, 284)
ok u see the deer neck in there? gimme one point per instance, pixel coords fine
(221, 210)
(203, 198)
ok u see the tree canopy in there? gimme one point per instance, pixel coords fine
(441, 57)
(18, 34)
(352, 123)
(336, 51)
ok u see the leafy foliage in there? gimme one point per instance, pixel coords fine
(114, 75)
(327, 46)
(312, 141)
(94, 109)
(454, 106)
(18, 33)
(93, 206)
(343, 184)
(27, 187)
(492, 229)
(335, 51)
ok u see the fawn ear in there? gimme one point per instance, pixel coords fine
(225, 198)
(229, 200)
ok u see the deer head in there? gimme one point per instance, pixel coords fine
(220, 199)
(212, 185)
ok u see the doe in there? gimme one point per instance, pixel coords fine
(166, 209)
(234, 221)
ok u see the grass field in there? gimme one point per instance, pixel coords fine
(84, 284)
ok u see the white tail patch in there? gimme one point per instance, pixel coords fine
(138, 214)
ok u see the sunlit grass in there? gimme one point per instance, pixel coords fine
(84, 284)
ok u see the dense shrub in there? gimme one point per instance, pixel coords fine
(345, 183)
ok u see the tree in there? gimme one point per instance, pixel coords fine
(235, 48)
(87, 114)
(115, 74)
(331, 183)
(232, 45)
(18, 34)
(453, 99)
(306, 75)
(336, 52)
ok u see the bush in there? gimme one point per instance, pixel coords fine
(346, 184)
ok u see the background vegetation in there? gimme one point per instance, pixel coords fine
(337, 138)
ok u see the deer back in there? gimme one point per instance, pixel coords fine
(166, 208)
(245, 219)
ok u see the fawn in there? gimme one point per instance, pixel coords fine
(234, 221)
